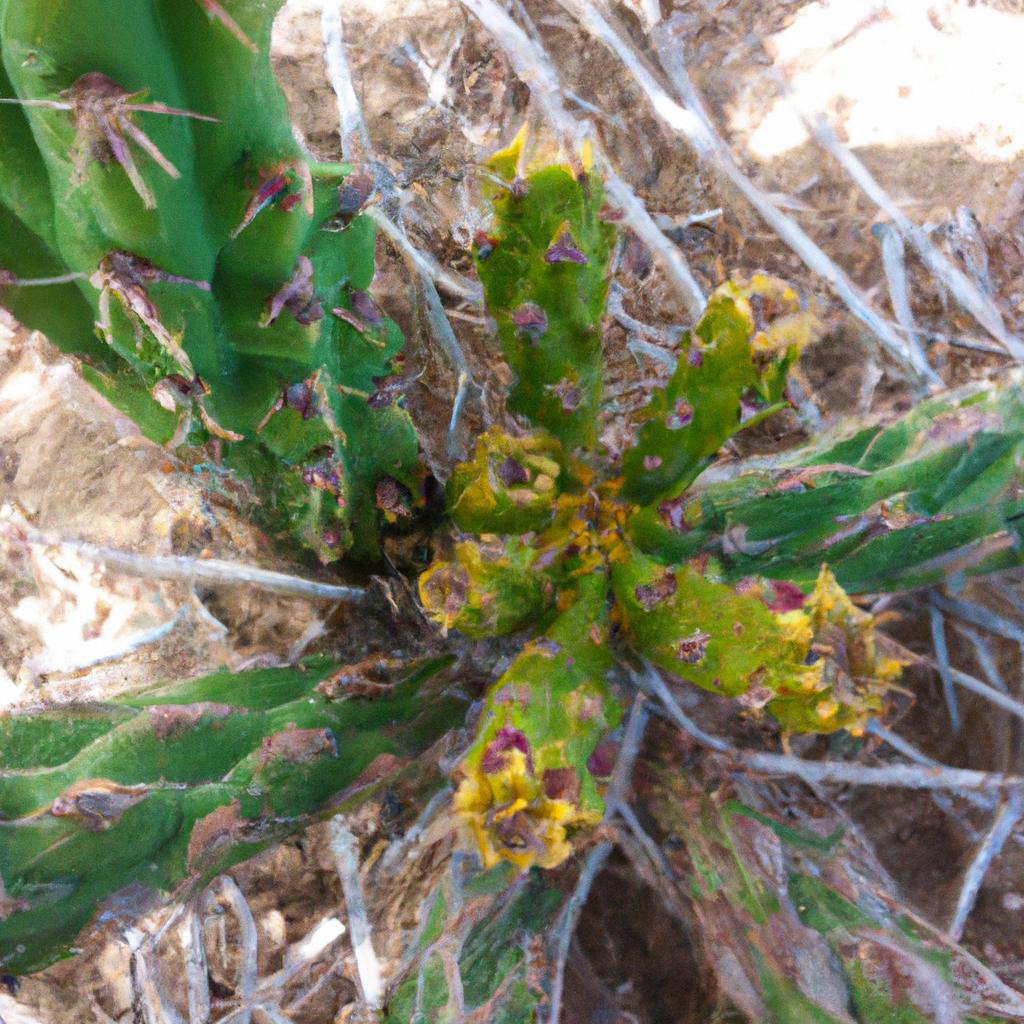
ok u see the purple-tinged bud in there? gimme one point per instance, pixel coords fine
(692, 649)
(786, 596)
(680, 417)
(531, 320)
(565, 251)
(505, 739)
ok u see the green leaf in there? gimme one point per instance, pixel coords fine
(544, 269)
(740, 350)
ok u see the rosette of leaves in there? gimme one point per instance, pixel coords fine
(211, 277)
(171, 786)
(547, 543)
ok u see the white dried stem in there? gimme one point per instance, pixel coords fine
(248, 967)
(355, 138)
(1006, 818)
(665, 250)
(894, 265)
(969, 682)
(148, 998)
(444, 334)
(938, 626)
(983, 652)
(196, 968)
(962, 288)
(41, 282)
(346, 859)
(592, 865)
(896, 776)
(692, 122)
(979, 615)
(212, 571)
(448, 280)
(399, 850)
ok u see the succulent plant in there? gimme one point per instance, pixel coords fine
(170, 786)
(889, 505)
(560, 548)
(214, 277)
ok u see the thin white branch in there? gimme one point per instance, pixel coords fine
(938, 626)
(693, 123)
(1006, 818)
(595, 860)
(963, 289)
(179, 567)
(978, 615)
(352, 124)
(444, 333)
(897, 776)
(148, 998)
(969, 682)
(399, 850)
(196, 969)
(894, 265)
(430, 271)
(346, 859)
(592, 865)
(355, 138)
(96, 652)
(448, 280)
(248, 967)
(273, 1014)
(643, 225)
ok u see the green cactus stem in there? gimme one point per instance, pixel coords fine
(173, 785)
(149, 157)
(731, 374)
(544, 268)
(526, 782)
(889, 506)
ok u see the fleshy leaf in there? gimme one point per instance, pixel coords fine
(544, 268)
(525, 784)
(162, 176)
(731, 372)
(892, 505)
(812, 664)
(509, 486)
(179, 782)
(489, 588)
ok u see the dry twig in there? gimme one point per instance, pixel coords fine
(693, 123)
(1010, 812)
(212, 571)
(897, 776)
(346, 858)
